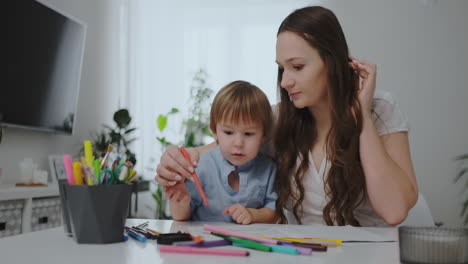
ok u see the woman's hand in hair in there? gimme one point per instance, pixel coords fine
(173, 167)
(367, 81)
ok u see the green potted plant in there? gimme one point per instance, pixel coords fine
(463, 172)
(118, 136)
(197, 124)
(195, 127)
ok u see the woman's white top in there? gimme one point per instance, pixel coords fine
(388, 119)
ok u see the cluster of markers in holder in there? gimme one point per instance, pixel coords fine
(91, 171)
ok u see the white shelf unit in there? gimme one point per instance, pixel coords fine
(28, 195)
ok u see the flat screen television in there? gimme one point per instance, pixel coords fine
(44, 54)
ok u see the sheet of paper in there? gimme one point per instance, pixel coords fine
(345, 233)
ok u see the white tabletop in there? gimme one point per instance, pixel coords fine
(53, 246)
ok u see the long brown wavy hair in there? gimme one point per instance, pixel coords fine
(345, 185)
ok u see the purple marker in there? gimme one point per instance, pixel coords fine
(213, 243)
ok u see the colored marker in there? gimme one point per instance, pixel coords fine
(302, 250)
(227, 232)
(97, 171)
(274, 248)
(142, 225)
(322, 241)
(140, 231)
(88, 150)
(153, 231)
(136, 235)
(245, 243)
(213, 243)
(207, 251)
(283, 249)
(314, 247)
(77, 173)
(68, 169)
(195, 177)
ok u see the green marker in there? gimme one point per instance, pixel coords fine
(97, 171)
(283, 249)
(244, 242)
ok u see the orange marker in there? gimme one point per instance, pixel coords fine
(198, 239)
(153, 231)
(195, 177)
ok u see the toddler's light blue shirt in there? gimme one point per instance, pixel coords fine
(256, 179)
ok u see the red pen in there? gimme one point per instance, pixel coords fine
(195, 177)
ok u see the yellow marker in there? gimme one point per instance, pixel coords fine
(77, 173)
(302, 240)
(132, 177)
(88, 150)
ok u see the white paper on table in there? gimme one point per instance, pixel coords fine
(345, 233)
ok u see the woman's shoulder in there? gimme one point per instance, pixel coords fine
(387, 115)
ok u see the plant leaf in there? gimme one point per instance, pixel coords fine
(161, 122)
(115, 137)
(462, 157)
(460, 174)
(173, 111)
(128, 131)
(164, 142)
(122, 118)
(464, 211)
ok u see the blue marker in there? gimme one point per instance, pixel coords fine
(136, 235)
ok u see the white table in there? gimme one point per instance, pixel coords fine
(52, 246)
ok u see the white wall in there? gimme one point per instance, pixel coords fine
(421, 49)
(98, 96)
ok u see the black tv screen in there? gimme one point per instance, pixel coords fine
(44, 57)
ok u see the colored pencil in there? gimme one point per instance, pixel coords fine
(227, 232)
(207, 251)
(195, 177)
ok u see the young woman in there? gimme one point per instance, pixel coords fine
(342, 151)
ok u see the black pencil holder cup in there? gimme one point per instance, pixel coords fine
(96, 214)
(65, 214)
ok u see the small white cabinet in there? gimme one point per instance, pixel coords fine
(26, 209)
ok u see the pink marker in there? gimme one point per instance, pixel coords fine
(227, 232)
(68, 169)
(207, 251)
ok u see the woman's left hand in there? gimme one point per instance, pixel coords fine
(367, 73)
